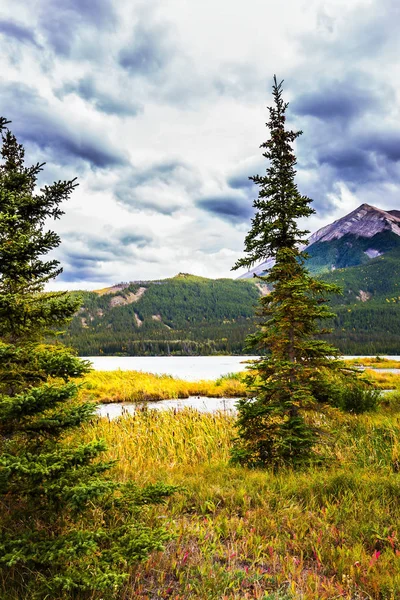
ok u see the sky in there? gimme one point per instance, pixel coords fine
(158, 107)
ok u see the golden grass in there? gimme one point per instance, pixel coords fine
(319, 534)
(374, 362)
(383, 381)
(136, 386)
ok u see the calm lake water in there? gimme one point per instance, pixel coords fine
(190, 368)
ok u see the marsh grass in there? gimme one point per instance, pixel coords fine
(136, 386)
(384, 381)
(321, 533)
(375, 362)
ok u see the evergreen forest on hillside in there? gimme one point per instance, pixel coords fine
(188, 315)
(182, 315)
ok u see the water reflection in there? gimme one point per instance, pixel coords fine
(200, 403)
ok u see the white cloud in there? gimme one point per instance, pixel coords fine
(159, 108)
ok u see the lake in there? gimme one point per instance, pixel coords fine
(190, 368)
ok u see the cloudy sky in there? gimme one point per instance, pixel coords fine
(159, 108)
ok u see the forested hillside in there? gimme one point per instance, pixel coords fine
(349, 250)
(368, 313)
(182, 315)
(196, 315)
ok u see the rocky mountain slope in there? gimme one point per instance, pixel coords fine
(195, 315)
(363, 234)
(365, 221)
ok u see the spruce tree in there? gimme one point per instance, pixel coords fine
(67, 529)
(272, 426)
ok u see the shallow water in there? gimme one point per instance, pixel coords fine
(386, 370)
(200, 403)
(190, 368)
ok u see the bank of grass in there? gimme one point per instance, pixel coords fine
(383, 381)
(136, 386)
(374, 362)
(326, 532)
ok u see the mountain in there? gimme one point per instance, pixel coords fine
(355, 239)
(189, 315)
(365, 221)
(181, 315)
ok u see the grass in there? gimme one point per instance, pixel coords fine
(383, 381)
(321, 533)
(136, 386)
(376, 362)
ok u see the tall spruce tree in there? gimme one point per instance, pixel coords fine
(67, 530)
(272, 426)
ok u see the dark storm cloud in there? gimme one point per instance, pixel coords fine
(94, 258)
(62, 22)
(107, 249)
(75, 272)
(106, 102)
(148, 51)
(19, 32)
(350, 164)
(341, 141)
(134, 199)
(82, 260)
(338, 100)
(231, 208)
(81, 265)
(163, 171)
(385, 142)
(357, 155)
(110, 241)
(35, 122)
(239, 177)
(238, 182)
(344, 103)
(67, 147)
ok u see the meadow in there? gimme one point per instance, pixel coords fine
(136, 386)
(326, 532)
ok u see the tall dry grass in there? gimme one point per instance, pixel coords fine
(325, 532)
(136, 386)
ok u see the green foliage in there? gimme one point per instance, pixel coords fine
(181, 315)
(353, 395)
(201, 316)
(272, 426)
(66, 527)
(314, 532)
(358, 398)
